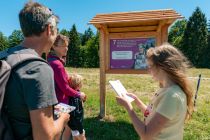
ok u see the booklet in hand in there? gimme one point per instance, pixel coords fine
(61, 107)
(120, 89)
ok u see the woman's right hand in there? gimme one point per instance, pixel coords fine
(124, 102)
(138, 102)
(132, 96)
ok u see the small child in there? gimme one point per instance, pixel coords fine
(76, 116)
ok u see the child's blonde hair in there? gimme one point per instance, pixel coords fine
(61, 40)
(75, 81)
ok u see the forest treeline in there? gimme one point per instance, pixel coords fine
(191, 36)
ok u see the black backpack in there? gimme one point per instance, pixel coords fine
(9, 59)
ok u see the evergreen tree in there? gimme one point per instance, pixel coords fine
(208, 44)
(176, 33)
(80, 36)
(195, 45)
(208, 50)
(15, 38)
(73, 56)
(83, 56)
(64, 32)
(92, 52)
(88, 34)
(3, 42)
(209, 27)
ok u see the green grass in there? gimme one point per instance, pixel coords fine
(117, 125)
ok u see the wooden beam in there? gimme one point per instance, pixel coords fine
(133, 29)
(161, 23)
(170, 21)
(131, 17)
(98, 26)
(127, 71)
(107, 21)
(133, 24)
(132, 35)
(139, 13)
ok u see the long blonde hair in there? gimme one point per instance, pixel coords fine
(174, 63)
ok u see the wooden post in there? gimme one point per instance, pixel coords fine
(107, 48)
(159, 33)
(159, 38)
(102, 74)
(164, 33)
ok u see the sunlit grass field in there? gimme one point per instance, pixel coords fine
(117, 125)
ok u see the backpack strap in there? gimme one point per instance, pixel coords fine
(9, 60)
(8, 51)
(5, 69)
(15, 59)
(16, 55)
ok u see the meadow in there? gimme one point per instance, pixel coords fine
(117, 125)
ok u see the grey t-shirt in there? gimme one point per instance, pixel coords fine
(30, 87)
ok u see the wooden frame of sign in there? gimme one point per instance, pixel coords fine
(132, 27)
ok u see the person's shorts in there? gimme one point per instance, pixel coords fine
(76, 124)
(76, 116)
(77, 133)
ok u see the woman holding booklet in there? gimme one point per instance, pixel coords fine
(171, 105)
(62, 88)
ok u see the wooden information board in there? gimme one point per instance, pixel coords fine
(124, 40)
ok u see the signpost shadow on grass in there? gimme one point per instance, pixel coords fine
(96, 129)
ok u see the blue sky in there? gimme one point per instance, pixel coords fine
(80, 12)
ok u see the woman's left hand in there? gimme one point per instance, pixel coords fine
(123, 102)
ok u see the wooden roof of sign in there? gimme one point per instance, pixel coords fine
(137, 18)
